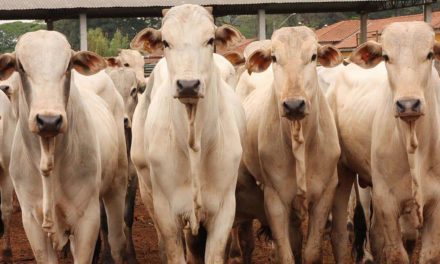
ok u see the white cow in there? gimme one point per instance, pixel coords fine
(125, 81)
(188, 149)
(8, 121)
(388, 122)
(66, 153)
(292, 146)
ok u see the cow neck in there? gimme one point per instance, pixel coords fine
(297, 134)
(44, 152)
(201, 128)
(422, 145)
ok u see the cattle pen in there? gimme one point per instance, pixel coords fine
(146, 246)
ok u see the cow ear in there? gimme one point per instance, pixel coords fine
(234, 58)
(8, 65)
(437, 51)
(329, 56)
(149, 40)
(209, 9)
(87, 63)
(165, 11)
(259, 60)
(227, 36)
(367, 55)
(113, 62)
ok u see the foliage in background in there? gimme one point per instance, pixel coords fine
(99, 43)
(10, 32)
(106, 35)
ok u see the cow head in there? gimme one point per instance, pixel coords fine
(44, 61)
(294, 53)
(133, 59)
(126, 84)
(408, 49)
(188, 36)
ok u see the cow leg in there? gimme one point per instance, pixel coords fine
(233, 252)
(431, 236)
(319, 213)
(169, 232)
(114, 202)
(296, 235)
(219, 226)
(386, 238)
(130, 200)
(278, 216)
(85, 234)
(195, 246)
(106, 250)
(364, 204)
(339, 215)
(246, 240)
(39, 241)
(6, 210)
(147, 200)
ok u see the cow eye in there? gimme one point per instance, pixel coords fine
(210, 41)
(126, 65)
(430, 55)
(20, 67)
(165, 44)
(386, 58)
(314, 57)
(274, 58)
(133, 92)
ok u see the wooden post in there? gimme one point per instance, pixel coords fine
(427, 12)
(363, 29)
(261, 24)
(83, 31)
(49, 24)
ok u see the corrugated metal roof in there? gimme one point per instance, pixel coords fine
(60, 9)
(61, 4)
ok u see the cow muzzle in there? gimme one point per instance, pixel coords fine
(294, 109)
(188, 90)
(48, 125)
(409, 109)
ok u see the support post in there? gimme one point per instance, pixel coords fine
(427, 12)
(261, 24)
(83, 31)
(49, 24)
(363, 29)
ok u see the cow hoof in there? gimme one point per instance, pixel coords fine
(7, 255)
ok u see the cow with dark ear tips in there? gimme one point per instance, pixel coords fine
(386, 105)
(67, 139)
(291, 150)
(190, 117)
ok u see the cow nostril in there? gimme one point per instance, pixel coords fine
(58, 122)
(416, 105)
(302, 105)
(4, 88)
(400, 107)
(286, 106)
(40, 121)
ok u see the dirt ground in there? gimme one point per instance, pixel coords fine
(144, 239)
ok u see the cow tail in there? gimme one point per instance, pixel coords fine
(360, 231)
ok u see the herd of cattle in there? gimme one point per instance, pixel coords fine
(213, 145)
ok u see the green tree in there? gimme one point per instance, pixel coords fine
(98, 42)
(10, 32)
(118, 42)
